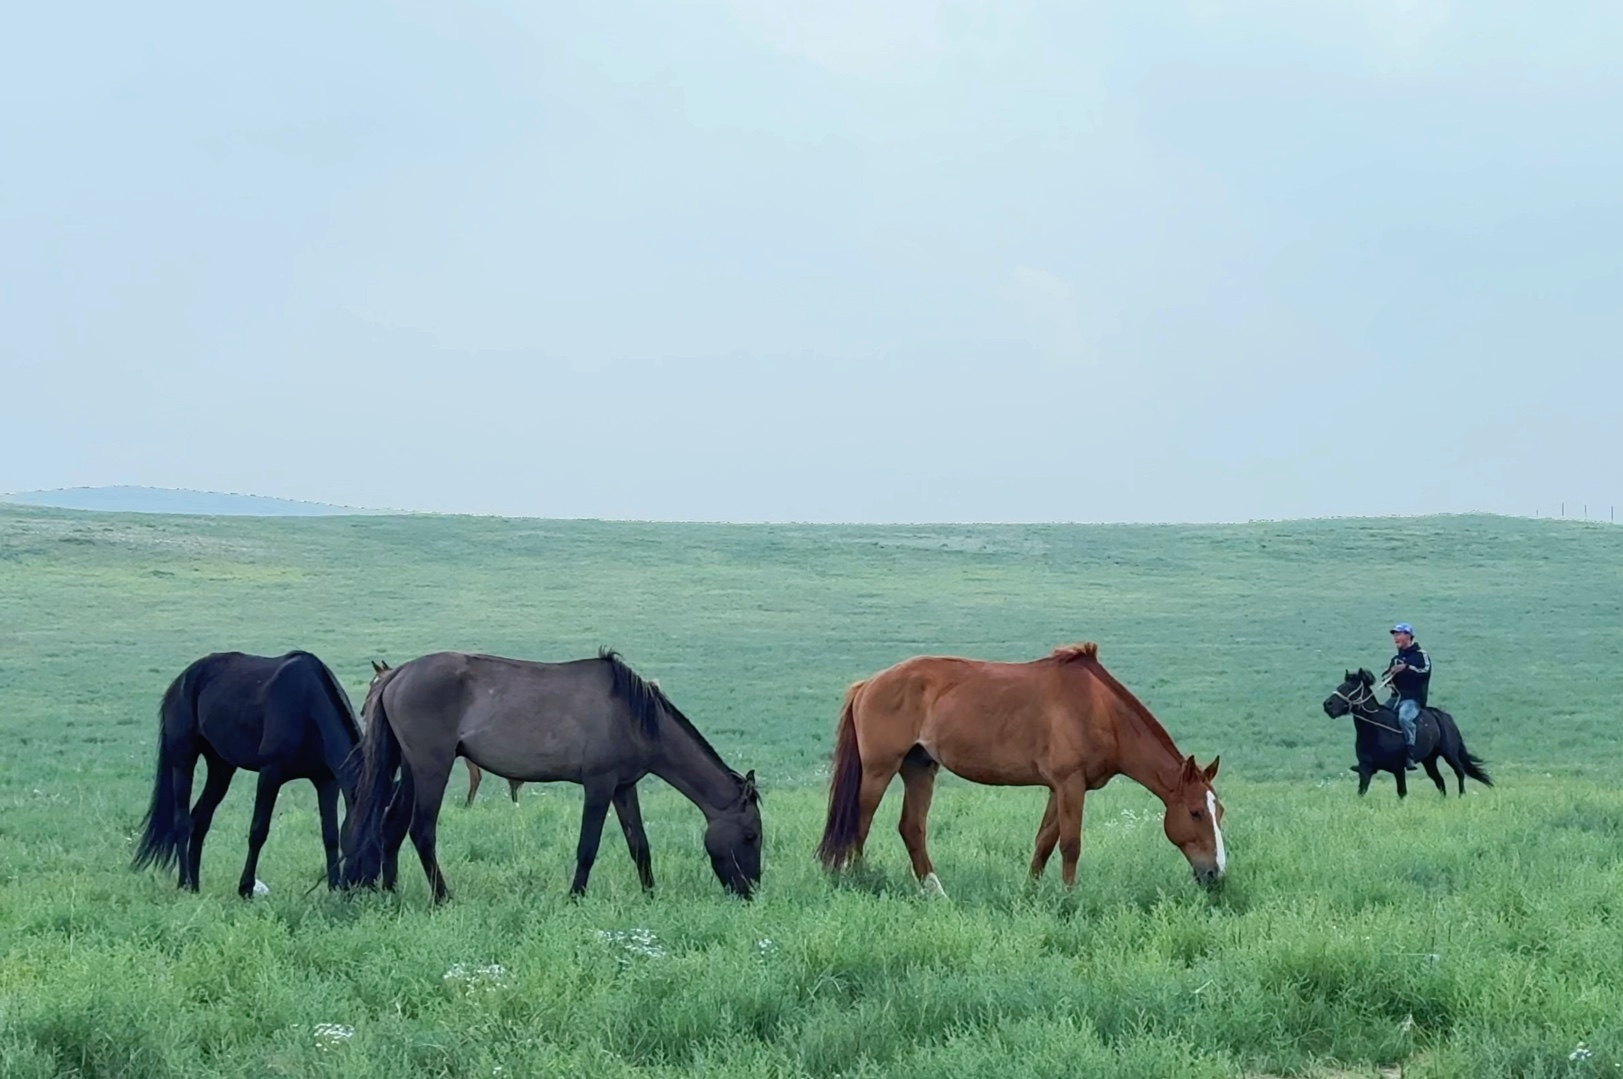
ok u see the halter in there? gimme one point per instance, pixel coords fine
(1367, 699)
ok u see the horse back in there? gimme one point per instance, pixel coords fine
(984, 720)
(257, 709)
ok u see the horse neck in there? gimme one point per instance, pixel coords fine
(1152, 766)
(683, 762)
(1141, 755)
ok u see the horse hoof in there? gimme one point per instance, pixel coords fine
(931, 887)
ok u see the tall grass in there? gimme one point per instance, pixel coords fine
(1452, 937)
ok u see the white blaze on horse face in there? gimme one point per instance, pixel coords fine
(1217, 832)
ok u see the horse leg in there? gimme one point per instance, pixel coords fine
(1047, 836)
(474, 776)
(512, 788)
(1070, 795)
(918, 785)
(214, 788)
(327, 801)
(1398, 774)
(428, 793)
(1430, 765)
(181, 778)
(396, 820)
(1459, 772)
(270, 784)
(875, 778)
(1365, 774)
(595, 809)
(627, 809)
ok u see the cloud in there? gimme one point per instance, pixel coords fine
(882, 39)
(1404, 24)
(1048, 307)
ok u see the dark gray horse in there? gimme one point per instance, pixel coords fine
(285, 717)
(1378, 738)
(595, 722)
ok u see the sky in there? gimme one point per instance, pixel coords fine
(852, 260)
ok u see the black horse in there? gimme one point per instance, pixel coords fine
(595, 722)
(1378, 738)
(285, 717)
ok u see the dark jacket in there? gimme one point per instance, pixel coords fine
(1412, 684)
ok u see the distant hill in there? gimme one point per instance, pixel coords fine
(165, 500)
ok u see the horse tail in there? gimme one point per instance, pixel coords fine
(1454, 746)
(362, 845)
(163, 834)
(1474, 766)
(844, 788)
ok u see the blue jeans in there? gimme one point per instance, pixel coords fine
(1408, 712)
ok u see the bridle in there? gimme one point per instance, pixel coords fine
(1355, 704)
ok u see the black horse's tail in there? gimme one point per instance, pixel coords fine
(1474, 766)
(1454, 745)
(844, 789)
(363, 829)
(163, 833)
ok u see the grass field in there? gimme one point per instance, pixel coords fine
(1475, 937)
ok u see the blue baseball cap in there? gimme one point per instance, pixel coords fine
(1403, 627)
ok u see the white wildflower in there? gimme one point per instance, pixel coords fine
(1583, 1052)
(332, 1035)
(633, 942)
(470, 979)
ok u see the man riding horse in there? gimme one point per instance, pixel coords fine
(1409, 674)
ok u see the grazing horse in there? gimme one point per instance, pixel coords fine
(595, 722)
(1061, 722)
(475, 773)
(285, 717)
(1378, 739)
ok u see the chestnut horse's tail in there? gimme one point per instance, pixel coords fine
(844, 788)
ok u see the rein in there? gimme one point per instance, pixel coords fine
(1367, 699)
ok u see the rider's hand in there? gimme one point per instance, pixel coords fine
(1397, 667)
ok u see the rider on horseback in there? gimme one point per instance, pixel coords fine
(1410, 675)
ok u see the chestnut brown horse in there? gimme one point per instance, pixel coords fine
(476, 774)
(1061, 722)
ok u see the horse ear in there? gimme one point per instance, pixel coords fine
(1190, 769)
(750, 792)
(378, 668)
(1210, 771)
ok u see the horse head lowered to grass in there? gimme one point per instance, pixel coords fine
(594, 722)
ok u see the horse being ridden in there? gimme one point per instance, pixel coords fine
(594, 722)
(1380, 743)
(285, 717)
(1062, 722)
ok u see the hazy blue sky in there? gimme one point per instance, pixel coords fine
(848, 260)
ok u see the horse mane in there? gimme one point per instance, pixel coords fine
(646, 700)
(1086, 655)
(1069, 653)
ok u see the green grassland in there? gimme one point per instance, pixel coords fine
(1471, 937)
